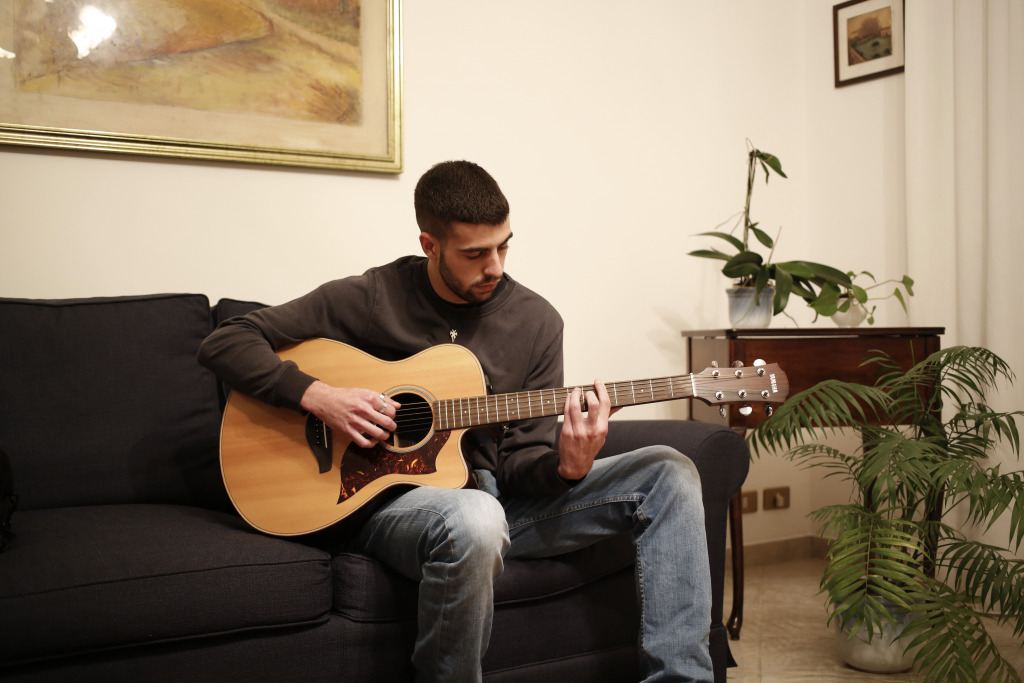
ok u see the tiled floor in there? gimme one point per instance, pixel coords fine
(784, 637)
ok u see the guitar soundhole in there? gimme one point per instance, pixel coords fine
(415, 419)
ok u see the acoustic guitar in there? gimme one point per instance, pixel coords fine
(287, 474)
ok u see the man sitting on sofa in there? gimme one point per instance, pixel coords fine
(532, 501)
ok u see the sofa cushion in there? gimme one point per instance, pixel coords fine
(102, 401)
(231, 308)
(599, 615)
(98, 577)
(301, 654)
(365, 590)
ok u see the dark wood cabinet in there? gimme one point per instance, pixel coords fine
(807, 356)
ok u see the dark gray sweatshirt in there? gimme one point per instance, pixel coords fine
(392, 312)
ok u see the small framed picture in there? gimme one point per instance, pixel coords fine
(869, 40)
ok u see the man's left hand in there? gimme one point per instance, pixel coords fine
(582, 437)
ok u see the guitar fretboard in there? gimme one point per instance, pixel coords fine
(476, 411)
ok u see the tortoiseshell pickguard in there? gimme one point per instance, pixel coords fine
(360, 466)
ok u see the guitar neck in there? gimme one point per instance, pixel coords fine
(477, 411)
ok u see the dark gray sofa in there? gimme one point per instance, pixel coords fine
(130, 563)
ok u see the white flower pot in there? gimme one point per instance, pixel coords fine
(880, 654)
(853, 316)
(744, 313)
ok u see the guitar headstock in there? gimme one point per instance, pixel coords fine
(765, 383)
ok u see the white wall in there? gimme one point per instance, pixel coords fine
(853, 219)
(617, 132)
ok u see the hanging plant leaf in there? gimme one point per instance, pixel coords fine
(802, 288)
(740, 270)
(783, 286)
(746, 257)
(725, 236)
(797, 269)
(744, 264)
(827, 301)
(826, 273)
(899, 295)
(762, 237)
(862, 296)
(845, 306)
(908, 282)
(760, 282)
(772, 161)
(710, 253)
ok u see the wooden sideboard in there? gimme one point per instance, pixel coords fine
(807, 356)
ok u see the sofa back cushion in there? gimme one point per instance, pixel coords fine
(230, 308)
(102, 401)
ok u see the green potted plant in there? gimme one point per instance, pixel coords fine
(847, 306)
(894, 563)
(821, 286)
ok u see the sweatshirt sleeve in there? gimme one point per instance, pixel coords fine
(527, 461)
(241, 350)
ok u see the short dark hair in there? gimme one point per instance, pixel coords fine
(457, 192)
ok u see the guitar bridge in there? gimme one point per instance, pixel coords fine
(318, 437)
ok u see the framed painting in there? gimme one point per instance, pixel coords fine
(314, 83)
(868, 39)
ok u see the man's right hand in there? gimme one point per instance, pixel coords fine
(353, 412)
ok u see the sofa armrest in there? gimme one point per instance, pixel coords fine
(720, 454)
(722, 460)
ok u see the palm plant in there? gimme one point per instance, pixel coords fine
(890, 545)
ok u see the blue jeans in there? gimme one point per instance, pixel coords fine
(453, 542)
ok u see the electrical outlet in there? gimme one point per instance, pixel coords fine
(749, 501)
(776, 498)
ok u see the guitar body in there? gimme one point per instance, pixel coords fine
(274, 478)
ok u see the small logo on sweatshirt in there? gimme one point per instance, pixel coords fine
(453, 334)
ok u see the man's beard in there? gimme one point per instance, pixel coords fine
(461, 290)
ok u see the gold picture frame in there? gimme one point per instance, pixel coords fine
(249, 81)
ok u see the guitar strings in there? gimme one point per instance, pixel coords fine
(656, 390)
(664, 387)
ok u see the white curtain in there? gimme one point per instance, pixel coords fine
(964, 184)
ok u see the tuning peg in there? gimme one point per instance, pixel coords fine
(722, 411)
(758, 363)
(768, 410)
(714, 363)
(737, 364)
(746, 410)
